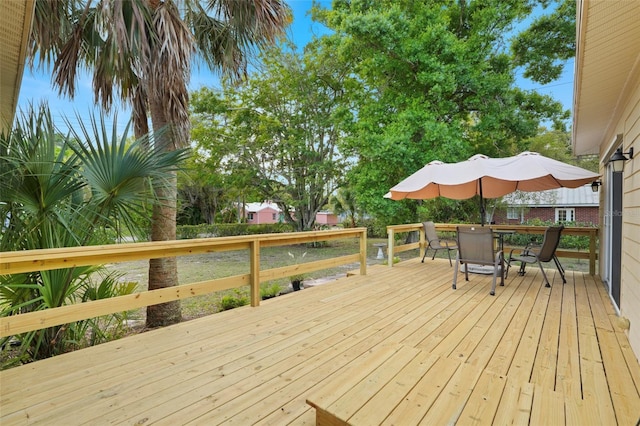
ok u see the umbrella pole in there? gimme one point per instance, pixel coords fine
(482, 215)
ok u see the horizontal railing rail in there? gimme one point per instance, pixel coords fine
(70, 257)
(590, 232)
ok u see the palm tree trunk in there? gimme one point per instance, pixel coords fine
(163, 272)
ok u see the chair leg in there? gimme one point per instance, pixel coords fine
(506, 271)
(449, 254)
(455, 273)
(498, 265)
(435, 251)
(522, 266)
(425, 254)
(493, 283)
(560, 268)
(546, 280)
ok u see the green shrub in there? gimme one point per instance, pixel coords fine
(572, 242)
(268, 291)
(375, 228)
(235, 300)
(187, 232)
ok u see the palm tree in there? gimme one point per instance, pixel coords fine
(145, 48)
(58, 191)
(344, 202)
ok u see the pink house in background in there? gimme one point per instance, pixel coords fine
(266, 212)
(326, 218)
(261, 213)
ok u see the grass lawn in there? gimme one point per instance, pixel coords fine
(208, 266)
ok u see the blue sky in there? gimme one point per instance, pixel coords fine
(36, 86)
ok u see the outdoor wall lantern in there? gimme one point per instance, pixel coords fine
(618, 158)
(595, 185)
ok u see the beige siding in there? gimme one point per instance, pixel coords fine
(629, 126)
(606, 115)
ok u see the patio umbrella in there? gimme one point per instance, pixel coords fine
(490, 178)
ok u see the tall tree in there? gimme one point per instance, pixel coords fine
(286, 123)
(212, 182)
(545, 46)
(143, 49)
(437, 82)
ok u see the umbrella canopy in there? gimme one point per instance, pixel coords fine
(490, 178)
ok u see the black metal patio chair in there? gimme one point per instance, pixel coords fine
(545, 252)
(435, 243)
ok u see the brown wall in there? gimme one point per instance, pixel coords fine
(583, 215)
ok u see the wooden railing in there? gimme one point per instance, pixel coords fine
(40, 260)
(592, 233)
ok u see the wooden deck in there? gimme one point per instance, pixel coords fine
(395, 346)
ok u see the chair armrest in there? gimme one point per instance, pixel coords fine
(445, 243)
(531, 249)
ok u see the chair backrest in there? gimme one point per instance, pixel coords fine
(475, 245)
(430, 231)
(550, 243)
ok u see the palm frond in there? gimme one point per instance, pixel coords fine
(120, 173)
(227, 32)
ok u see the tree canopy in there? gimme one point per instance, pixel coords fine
(281, 129)
(436, 80)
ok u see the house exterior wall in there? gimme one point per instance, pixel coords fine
(586, 215)
(265, 213)
(629, 126)
(263, 216)
(606, 116)
(324, 218)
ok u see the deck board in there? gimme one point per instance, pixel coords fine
(524, 357)
(484, 400)
(515, 404)
(568, 367)
(397, 346)
(593, 376)
(420, 399)
(546, 361)
(501, 355)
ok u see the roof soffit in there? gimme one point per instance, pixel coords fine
(607, 68)
(15, 27)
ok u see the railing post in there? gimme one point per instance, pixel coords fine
(391, 238)
(592, 252)
(363, 252)
(254, 261)
(423, 242)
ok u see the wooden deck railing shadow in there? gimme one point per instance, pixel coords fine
(592, 233)
(70, 257)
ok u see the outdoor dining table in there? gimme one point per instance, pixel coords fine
(500, 233)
